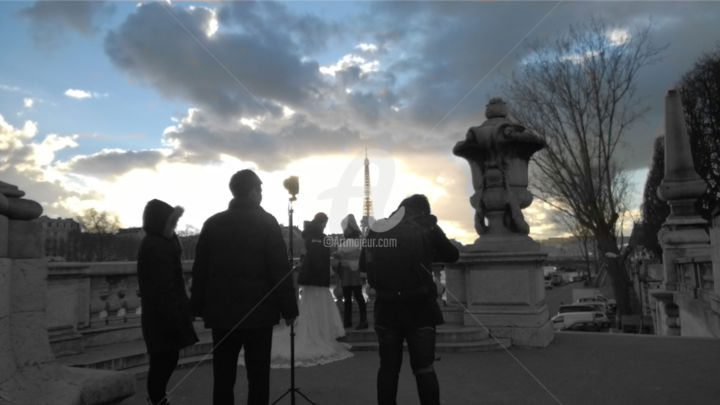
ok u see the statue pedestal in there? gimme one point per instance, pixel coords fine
(28, 373)
(503, 289)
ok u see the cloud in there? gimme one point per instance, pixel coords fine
(27, 163)
(231, 73)
(51, 18)
(273, 22)
(200, 137)
(111, 163)
(9, 88)
(83, 94)
(351, 61)
(78, 94)
(28, 102)
(13, 138)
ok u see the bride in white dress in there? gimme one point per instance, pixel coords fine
(319, 325)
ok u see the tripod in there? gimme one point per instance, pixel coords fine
(292, 390)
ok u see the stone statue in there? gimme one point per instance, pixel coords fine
(498, 152)
(15, 207)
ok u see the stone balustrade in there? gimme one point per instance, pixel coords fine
(93, 304)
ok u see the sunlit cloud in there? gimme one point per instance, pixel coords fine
(82, 94)
(11, 137)
(78, 94)
(619, 37)
(367, 47)
(348, 61)
(28, 102)
(44, 152)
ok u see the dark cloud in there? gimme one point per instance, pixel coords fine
(51, 18)
(448, 63)
(439, 64)
(233, 74)
(108, 164)
(274, 23)
(200, 139)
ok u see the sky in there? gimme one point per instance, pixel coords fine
(107, 105)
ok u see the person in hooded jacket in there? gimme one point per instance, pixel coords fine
(166, 320)
(346, 265)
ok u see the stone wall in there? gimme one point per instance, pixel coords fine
(28, 373)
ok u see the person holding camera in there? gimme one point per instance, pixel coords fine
(398, 264)
(241, 287)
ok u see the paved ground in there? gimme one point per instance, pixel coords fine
(579, 368)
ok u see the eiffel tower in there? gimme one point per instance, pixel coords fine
(367, 218)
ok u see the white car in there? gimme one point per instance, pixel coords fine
(600, 305)
(566, 319)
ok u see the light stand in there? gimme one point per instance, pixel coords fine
(291, 184)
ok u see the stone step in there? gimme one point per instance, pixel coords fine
(445, 334)
(476, 346)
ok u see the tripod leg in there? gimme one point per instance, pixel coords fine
(304, 396)
(281, 396)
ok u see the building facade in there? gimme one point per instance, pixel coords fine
(59, 235)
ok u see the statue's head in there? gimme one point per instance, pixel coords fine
(496, 108)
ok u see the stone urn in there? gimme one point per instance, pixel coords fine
(498, 152)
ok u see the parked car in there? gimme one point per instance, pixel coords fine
(600, 305)
(610, 304)
(548, 284)
(567, 319)
(578, 308)
(585, 326)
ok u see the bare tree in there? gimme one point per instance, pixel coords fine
(578, 92)
(700, 90)
(582, 236)
(98, 229)
(102, 222)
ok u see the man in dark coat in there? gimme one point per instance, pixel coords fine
(166, 320)
(241, 287)
(398, 262)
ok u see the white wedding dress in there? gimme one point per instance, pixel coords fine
(316, 331)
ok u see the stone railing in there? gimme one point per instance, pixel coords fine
(92, 304)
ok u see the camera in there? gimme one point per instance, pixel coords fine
(292, 185)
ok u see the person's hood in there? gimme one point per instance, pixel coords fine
(159, 216)
(350, 227)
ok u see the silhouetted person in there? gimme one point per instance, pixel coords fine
(406, 307)
(239, 260)
(347, 256)
(166, 319)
